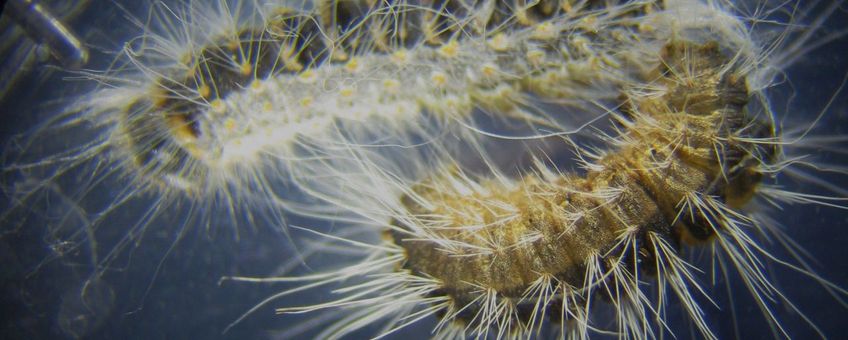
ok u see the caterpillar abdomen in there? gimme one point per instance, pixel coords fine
(504, 240)
(267, 95)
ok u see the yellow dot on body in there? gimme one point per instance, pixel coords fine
(399, 57)
(246, 68)
(294, 66)
(256, 85)
(339, 55)
(449, 50)
(499, 42)
(391, 86)
(544, 31)
(204, 91)
(230, 124)
(347, 92)
(267, 106)
(489, 70)
(439, 78)
(218, 106)
(289, 58)
(352, 66)
(306, 101)
(307, 77)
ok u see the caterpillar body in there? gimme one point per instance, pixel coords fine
(560, 224)
(494, 257)
(246, 95)
(504, 257)
(229, 109)
(360, 111)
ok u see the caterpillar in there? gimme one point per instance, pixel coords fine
(222, 116)
(502, 257)
(253, 107)
(218, 110)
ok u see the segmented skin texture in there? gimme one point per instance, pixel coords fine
(675, 146)
(371, 67)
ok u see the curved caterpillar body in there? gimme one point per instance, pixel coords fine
(560, 239)
(261, 98)
(365, 112)
(494, 256)
(231, 110)
(235, 105)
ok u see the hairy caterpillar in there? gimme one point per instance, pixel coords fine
(221, 106)
(502, 257)
(172, 143)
